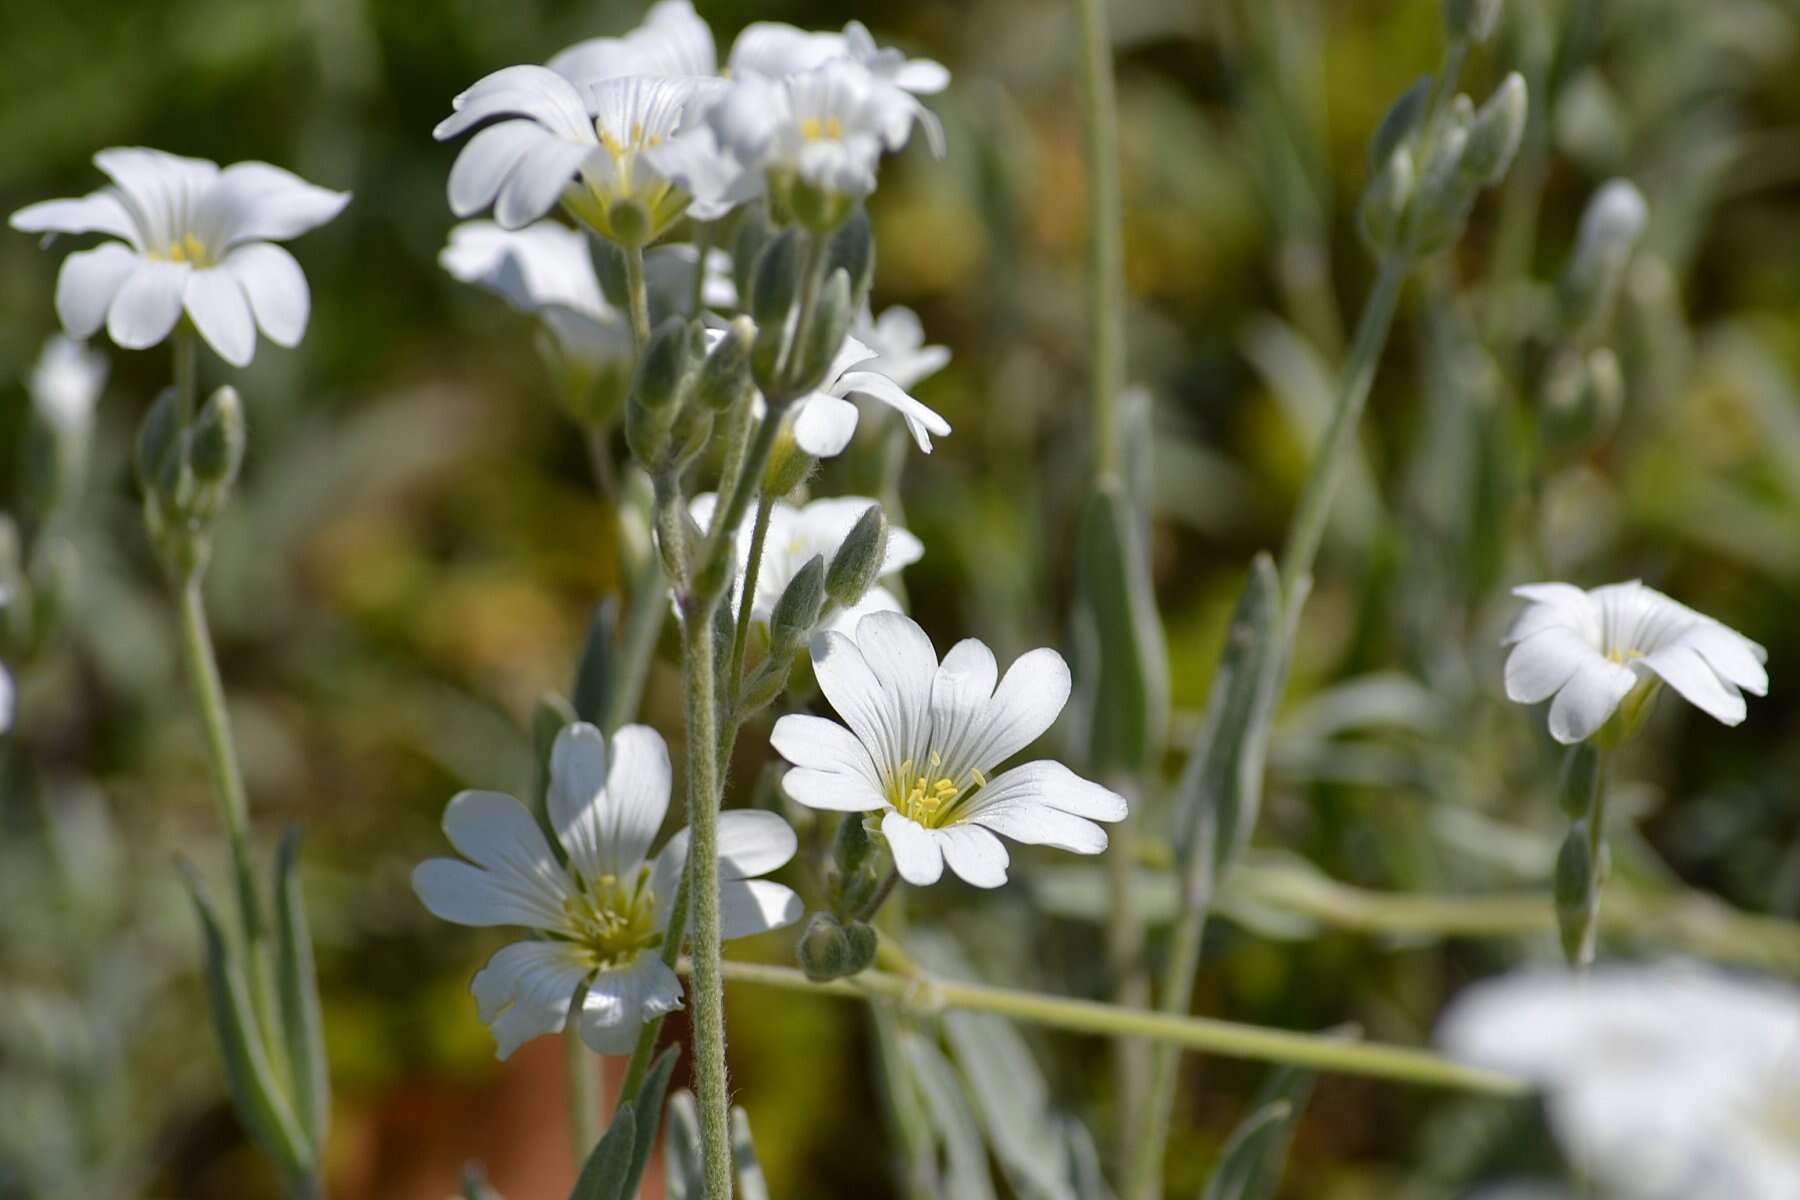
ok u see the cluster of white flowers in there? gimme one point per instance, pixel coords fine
(1664, 1082)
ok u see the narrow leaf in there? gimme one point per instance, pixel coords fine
(965, 1159)
(750, 1181)
(1251, 1165)
(593, 674)
(302, 1028)
(686, 1176)
(1130, 700)
(253, 1087)
(603, 1175)
(648, 1104)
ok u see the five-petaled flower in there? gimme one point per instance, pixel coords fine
(604, 914)
(194, 238)
(1602, 650)
(923, 742)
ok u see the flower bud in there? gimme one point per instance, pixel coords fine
(1384, 201)
(1471, 21)
(753, 234)
(1400, 122)
(797, 611)
(1577, 895)
(1445, 194)
(765, 685)
(219, 437)
(663, 367)
(1496, 131)
(158, 437)
(852, 249)
(649, 434)
(864, 942)
(825, 952)
(857, 563)
(856, 861)
(1583, 396)
(776, 281)
(725, 376)
(789, 465)
(1610, 228)
(823, 336)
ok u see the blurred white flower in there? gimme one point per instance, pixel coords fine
(65, 384)
(1663, 1082)
(606, 911)
(774, 49)
(1598, 650)
(194, 239)
(923, 738)
(824, 420)
(796, 534)
(897, 337)
(672, 41)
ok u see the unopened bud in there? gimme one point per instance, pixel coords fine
(823, 335)
(1610, 228)
(1471, 21)
(1399, 123)
(725, 376)
(825, 952)
(797, 610)
(158, 437)
(857, 564)
(1496, 131)
(1383, 207)
(663, 368)
(776, 281)
(853, 250)
(754, 232)
(864, 942)
(219, 438)
(1445, 194)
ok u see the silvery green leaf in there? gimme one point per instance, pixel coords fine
(1130, 701)
(750, 1182)
(1251, 1165)
(254, 1090)
(904, 1104)
(1084, 1161)
(647, 1104)
(603, 1177)
(681, 1150)
(965, 1168)
(301, 1025)
(593, 673)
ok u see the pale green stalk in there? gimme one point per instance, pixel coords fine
(759, 536)
(928, 996)
(584, 1093)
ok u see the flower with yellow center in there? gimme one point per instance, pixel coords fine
(192, 239)
(921, 748)
(603, 914)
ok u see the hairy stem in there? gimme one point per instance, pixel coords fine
(639, 294)
(759, 536)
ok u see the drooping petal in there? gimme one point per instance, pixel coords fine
(148, 304)
(1040, 825)
(535, 267)
(276, 288)
(495, 831)
(525, 991)
(824, 425)
(1590, 697)
(1543, 662)
(96, 212)
(88, 283)
(1736, 658)
(485, 163)
(917, 854)
(1027, 702)
(832, 791)
(921, 421)
(902, 659)
(975, 855)
(577, 775)
(526, 91)
(748, 907)
(1683, 669)
(221, 313)
(259, 202)
(619, 1002)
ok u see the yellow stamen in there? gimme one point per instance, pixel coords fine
(187, 249)
(813, 129)
(612, 920)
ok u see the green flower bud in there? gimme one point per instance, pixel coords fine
(1577, 895)
(788, 465)
(1610, 227)
(823, 336)
(857, 563)
(824, 951)
(1471, 21)
(1445, 194)
(1400, 123)
(852, 249)
(610, 270)
(650, 435)
(765, 685)
(776, 281)
(864, 942)
(753, 233)
(1384, 202)
(158, 437)
(1496, 131)
(219, 438)
(1583, 396)
(725, 376)
(797, 611)
(664, 366)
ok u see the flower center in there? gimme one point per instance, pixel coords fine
(814, 129)
(613, 919)
(929, 797)
(187, 248)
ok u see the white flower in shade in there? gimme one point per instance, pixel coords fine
(65, 384)
(672, 41)
(194, 239)
(897, 337)
(923, 740)
(795, 536)
(1663, 1082)
(774, 49)
(1596, 650)
(603, 915)
(824, 420)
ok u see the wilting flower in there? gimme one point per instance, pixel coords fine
(897, 338)
(195, 239)
(604, 914)
(1665, 1082)
(923, 740)
(796, 536)
(824, 421)
(65, 385)
(1598, 650)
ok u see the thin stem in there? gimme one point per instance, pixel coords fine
(187, 372)
(1106, 271)
(637, 642)
(759, 536)
(882, 892)
(702, 243)
(584, 1093)
(929, 996)
(639, 294)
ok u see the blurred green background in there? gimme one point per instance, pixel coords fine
(416, 548)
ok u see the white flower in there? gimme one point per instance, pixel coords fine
(1671, 1082)
(827, 126)
(774, 49)
(923, 739)
(824, 421)
(65, 384)
(672, 41)
(795, 536)
(604, 913)
(1594, 649)
(898, 339)
(194, 238)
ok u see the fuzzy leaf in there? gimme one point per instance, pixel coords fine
(1251, 1165)
(649, 1102)
(603, 1177)
(302, 1027)
(1130, 700)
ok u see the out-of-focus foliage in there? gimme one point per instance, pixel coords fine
(415, 553)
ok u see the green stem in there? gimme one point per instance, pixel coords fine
(702, 242)
(759, 535)
(929, 996)
(1106, 270)
(584, 1092)
(639, 294)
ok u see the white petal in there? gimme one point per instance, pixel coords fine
(917, 855)
(158, 189)
(619, 1002)
(1543, 662)
(809, 741)
(751, 906)
(1040, 825)
(1736, 658)
(1590, 697)
(1561, 604)
(485, 163)
(857, 695)
(96, 212)
(494, 831)
(974, 854)
(1684, 670)
(88, 283)
(1046, 782)
(221, 313)
(960, 693)
(456, 892)
(258, 202)
(276, 288)
(577, 775)
(752, 842)
(833, 791)
(920, 420)
(537, 180)
(6, 699)
(525, 991)
(148, 304)
(876, 600)
(824, 425)
(1026, 703)
(526, 91)
(922, 76)
(637, 797)
(902, 659)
